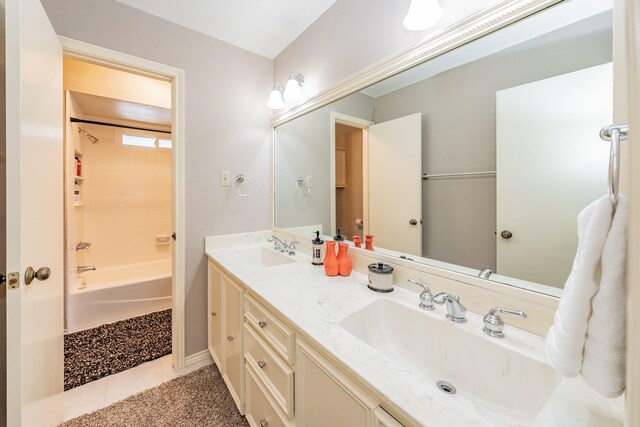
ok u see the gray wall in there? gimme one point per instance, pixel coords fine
(353, 34)
(302, 148)
(227, 125)
(459, 133)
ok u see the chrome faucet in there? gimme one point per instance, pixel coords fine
(493, 323)
(277, 243)
(426, 297)
(82, 245)
(83, 268)
(456, 312)
(283, 246)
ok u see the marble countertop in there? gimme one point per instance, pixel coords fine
(316, 303)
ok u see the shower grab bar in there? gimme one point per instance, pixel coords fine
(615, 134)
(452, 175)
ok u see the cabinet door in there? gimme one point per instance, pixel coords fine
(233, 373)
(325, 396)
(215, 315)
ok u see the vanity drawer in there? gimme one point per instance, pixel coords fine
(276, 333)
(275, 374)
(261, 410)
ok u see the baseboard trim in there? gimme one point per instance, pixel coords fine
(198, 357)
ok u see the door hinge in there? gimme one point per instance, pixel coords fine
(13, 280)
(173, 236)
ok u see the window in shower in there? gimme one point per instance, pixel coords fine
(145, 141)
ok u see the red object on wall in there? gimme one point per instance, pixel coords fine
(78, 167)
(344, 262)
(331, 267)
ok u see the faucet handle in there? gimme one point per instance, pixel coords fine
(493, 323)
(292, 245)
(426, 297)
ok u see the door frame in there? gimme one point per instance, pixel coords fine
(344, 119)
(76, 49)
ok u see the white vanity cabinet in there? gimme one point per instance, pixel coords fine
(226, 315)
(275, 379)
(383, 419)
(214, 301)
(325, 396)
(269, 346)
(233, 373)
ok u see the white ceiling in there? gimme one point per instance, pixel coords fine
(262, 27)
(99, 107)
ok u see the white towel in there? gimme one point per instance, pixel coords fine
(566, 338)
(603, 367)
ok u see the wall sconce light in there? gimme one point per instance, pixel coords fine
(293, 89)
(422, 14)
(275, 101)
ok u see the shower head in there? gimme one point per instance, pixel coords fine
(92, 138)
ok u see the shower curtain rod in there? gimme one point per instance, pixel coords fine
(93, 122)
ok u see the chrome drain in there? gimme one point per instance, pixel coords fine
(446, 387)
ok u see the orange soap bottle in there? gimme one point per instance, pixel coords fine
(331, 267)
(344, 262)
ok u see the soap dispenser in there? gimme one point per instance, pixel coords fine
(338, 237)
(317, 250)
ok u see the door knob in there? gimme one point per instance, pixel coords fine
(413, 221)
(43, 273)
(506, 234)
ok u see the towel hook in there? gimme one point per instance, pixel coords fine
(615, 134)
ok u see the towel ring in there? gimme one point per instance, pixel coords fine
(302, 187)
(615, 134)
(239, 180)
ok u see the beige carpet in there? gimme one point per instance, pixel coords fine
(198, 399)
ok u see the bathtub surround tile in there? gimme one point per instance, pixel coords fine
(108, 349)
(199, 399)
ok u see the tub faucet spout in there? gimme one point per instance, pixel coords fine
(83, 268)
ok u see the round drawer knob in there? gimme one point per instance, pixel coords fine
(229, 338)
(262, 324)
(214, 314)
(413, 222)
(262, 364)
(264, 423)
(506, 234)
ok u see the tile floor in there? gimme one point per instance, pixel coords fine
(105, 391)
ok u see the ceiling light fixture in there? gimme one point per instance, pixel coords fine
(275, 101)
(422, 14)
(293, 89)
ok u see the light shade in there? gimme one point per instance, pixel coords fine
(275, 101)
(293, 89)
(422, 14)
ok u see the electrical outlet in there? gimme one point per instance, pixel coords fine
(225, 179)
(309, 181)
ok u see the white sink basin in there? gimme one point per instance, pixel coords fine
(261, 257)
(502, 385)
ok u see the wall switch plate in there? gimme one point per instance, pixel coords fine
(225, 179)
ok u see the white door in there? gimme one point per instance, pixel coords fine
(549, 130)
(394, 181)
(34, 215)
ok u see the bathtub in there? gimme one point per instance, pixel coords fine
(118, 293)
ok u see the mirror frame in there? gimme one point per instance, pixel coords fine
(493, 18)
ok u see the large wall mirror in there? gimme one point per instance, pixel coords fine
(480, 158)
